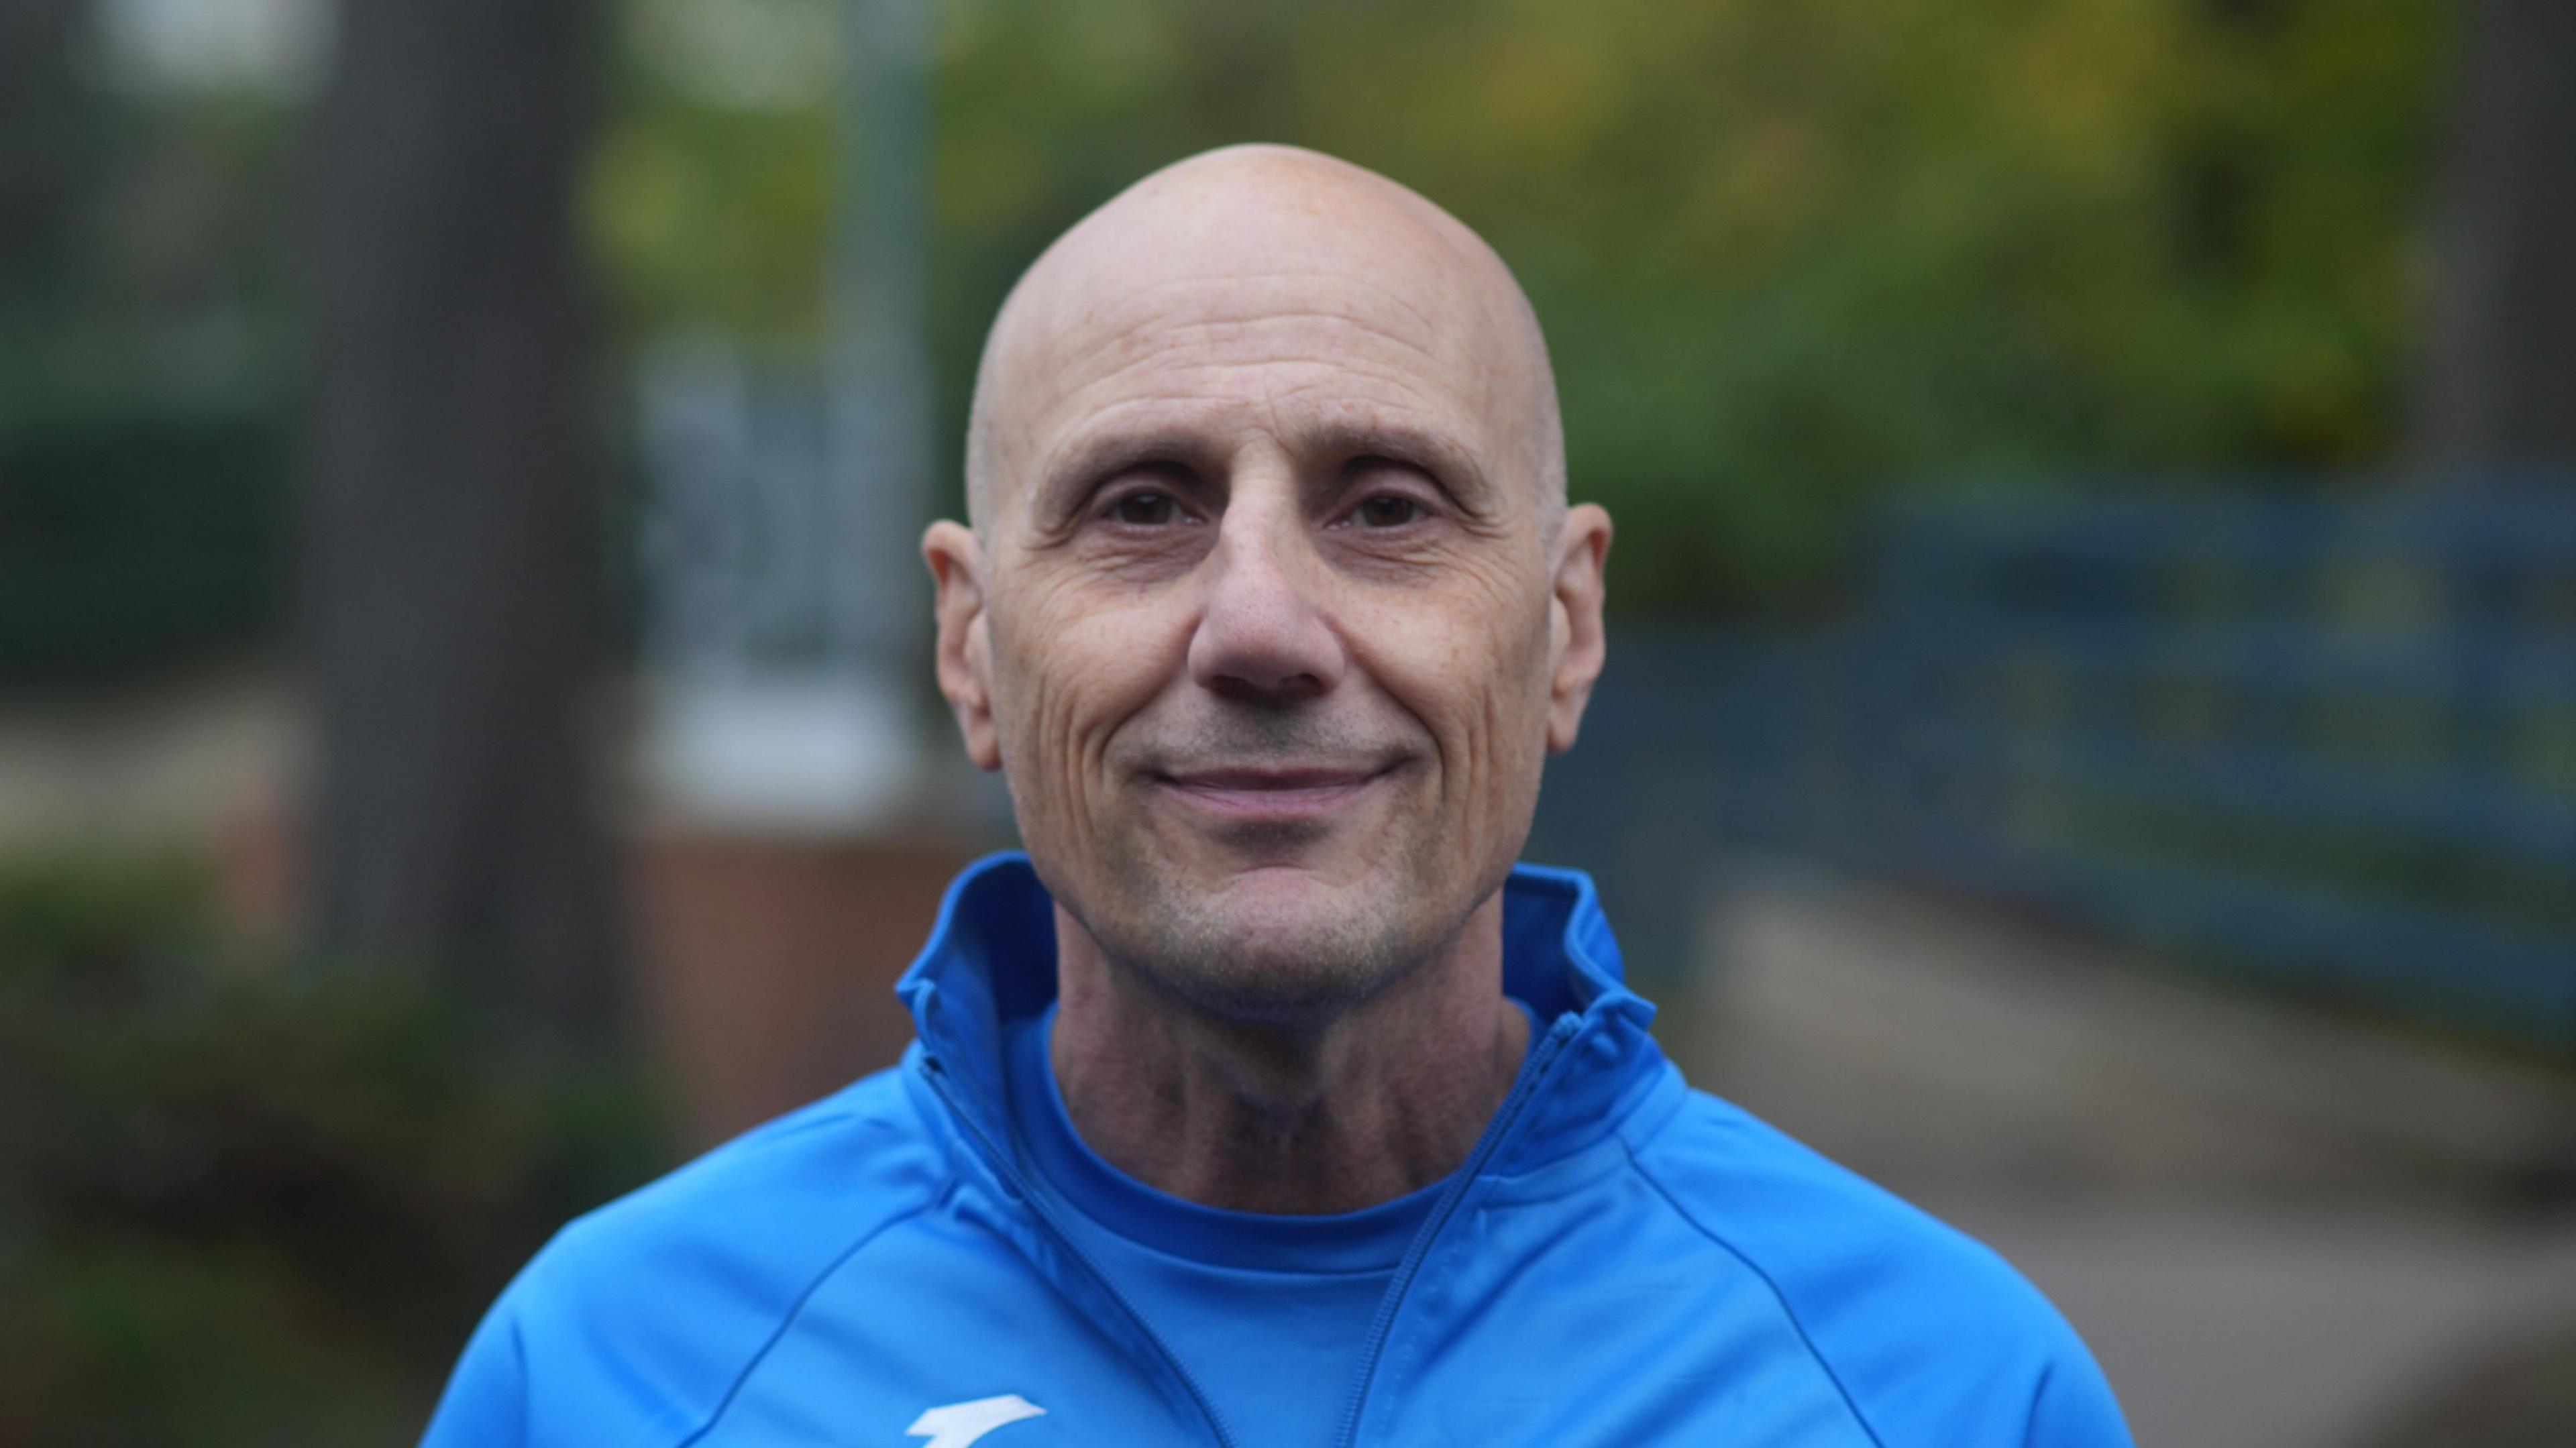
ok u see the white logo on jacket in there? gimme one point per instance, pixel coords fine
(959, 1424)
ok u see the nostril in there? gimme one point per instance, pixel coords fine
(1260, 689)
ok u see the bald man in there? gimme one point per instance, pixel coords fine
(1266, 1100)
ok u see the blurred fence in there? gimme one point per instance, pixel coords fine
(2328, 745)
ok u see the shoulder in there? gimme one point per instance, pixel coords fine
(862, 1152)
(642, 1314)
(1925, 1329)
(1822, 1233)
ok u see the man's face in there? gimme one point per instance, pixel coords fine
(1275, 618)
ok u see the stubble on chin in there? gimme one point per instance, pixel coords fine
(1282, 955)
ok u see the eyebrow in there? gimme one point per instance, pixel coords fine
(1069, 478)
(1451, 465)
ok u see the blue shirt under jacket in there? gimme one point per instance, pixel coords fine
(1268, 1312)
(1622, 1263)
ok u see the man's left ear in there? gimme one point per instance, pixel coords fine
(1576, 642)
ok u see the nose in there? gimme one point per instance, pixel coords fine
(1263, 634)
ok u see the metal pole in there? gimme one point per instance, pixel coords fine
(880, 452)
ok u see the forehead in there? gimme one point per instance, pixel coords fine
(1301, 328)
(1289, 346)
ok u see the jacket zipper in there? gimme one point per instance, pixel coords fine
(1506, 1117)
(1004, 1167)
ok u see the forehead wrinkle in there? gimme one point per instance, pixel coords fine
(1138, 326)
(1336, 285)
(1197, 426)
(1343, 383)
(1193, 359)
(1205, 351)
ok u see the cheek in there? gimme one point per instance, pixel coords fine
(1515, 701)
(1472, 666)
(1069, 669)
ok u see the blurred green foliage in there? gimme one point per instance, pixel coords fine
(144, 251)
(1789, 256)
(243, 1205)
(136, 533)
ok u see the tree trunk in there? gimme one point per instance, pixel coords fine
(451, 520)
(2500, 390)
(46, 117)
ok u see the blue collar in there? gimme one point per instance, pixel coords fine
(991, 960)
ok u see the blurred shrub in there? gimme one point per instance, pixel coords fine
(134, 534)
(146, 241)
(243, 1204)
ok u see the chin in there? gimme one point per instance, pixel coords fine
(1277, 944)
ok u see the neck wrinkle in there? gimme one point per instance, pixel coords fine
(1383, 1100)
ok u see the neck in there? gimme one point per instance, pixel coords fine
(1383, 1099)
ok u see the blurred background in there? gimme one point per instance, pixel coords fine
(2090, 737)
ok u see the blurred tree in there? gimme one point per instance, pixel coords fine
(2500, 386)
(451, 522)
(43, 109)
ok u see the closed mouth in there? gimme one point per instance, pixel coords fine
(1264, 792)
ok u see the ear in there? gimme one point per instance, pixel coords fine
(1577, 645)
(965, 648)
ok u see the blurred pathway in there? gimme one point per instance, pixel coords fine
(2249, 1328)
(173, 763)
(2276, 1228)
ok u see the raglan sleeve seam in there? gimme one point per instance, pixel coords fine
(2038, 1393)
(787, 1319)
(2096, 1420)
(1788, 1310)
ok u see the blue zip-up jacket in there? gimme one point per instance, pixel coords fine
(1622, 1263)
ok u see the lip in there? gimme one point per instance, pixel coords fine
(1267, 796)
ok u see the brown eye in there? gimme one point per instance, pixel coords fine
(1388, 510)
(1145, 510)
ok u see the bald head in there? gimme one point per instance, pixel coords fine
(1227, 245)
